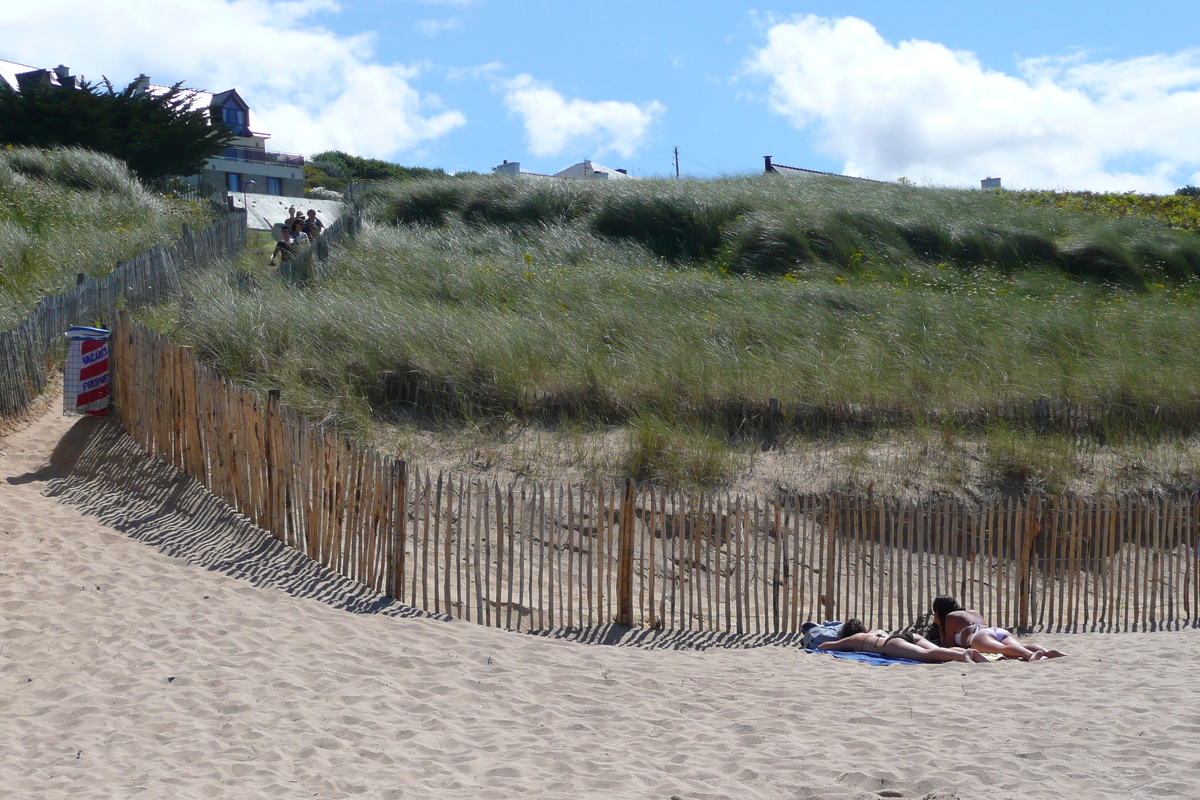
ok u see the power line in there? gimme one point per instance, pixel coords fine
(727, 168)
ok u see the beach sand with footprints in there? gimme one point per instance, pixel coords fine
(154, 644)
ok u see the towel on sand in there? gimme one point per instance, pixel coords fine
(869, 658)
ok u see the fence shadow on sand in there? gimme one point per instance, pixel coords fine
(99, 470)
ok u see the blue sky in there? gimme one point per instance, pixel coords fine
(1069, 95)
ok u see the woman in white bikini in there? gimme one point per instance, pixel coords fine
(855, 639)
(966, 628)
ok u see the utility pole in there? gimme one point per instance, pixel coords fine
(676, 162)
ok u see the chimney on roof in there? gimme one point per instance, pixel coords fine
(65, 79)
(767, 167)
(990, 183)
(141, 85)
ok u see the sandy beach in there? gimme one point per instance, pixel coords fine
(154, 644)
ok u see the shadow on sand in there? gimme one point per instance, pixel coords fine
(99, 470)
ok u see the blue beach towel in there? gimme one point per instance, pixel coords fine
(817, 633)
(867, 658)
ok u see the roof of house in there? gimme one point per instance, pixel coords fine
(202, 100)
(590, 169)
(219, 98)
(9, 70)
(800, 172)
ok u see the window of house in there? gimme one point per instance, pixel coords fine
(233, 181)
(274, 186)
(235, 117)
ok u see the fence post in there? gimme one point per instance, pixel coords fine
(625, 559)
(399, 484)
(120, 369)
(274, 517)
(832, 501)
(1030, 530)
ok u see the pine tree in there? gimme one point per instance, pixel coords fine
(156, 134)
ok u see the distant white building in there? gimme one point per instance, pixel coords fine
(584, 170)
(508, 168)
(590, 169)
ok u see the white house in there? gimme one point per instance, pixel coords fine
(246, 165)
(594, 171)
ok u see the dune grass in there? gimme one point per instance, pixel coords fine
(682, 309)
(772, 226)
(64, 211)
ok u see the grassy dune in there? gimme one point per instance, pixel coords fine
(681, 310)
(66, 211)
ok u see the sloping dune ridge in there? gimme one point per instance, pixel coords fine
(154, 644)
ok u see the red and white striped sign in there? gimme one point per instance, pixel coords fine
(86, 382)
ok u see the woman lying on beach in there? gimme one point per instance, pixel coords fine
(855, 639)
(966, 628)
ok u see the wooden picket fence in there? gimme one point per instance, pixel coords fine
(28, 351)
(536, 556)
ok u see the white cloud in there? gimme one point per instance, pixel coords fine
(311, 88)
(432, 27)
(922, 110)
(554, 124)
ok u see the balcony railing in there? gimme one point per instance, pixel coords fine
(262, 156)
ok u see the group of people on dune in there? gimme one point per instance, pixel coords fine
(297, 229)
(962, 634)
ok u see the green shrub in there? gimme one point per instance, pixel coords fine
(520, 201)
(672, 225)
(758, 244)
(430, 203)
(672, 456)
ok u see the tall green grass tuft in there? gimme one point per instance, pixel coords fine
(74, 168)
(64, 211)
(677, 222)
(674, 455)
